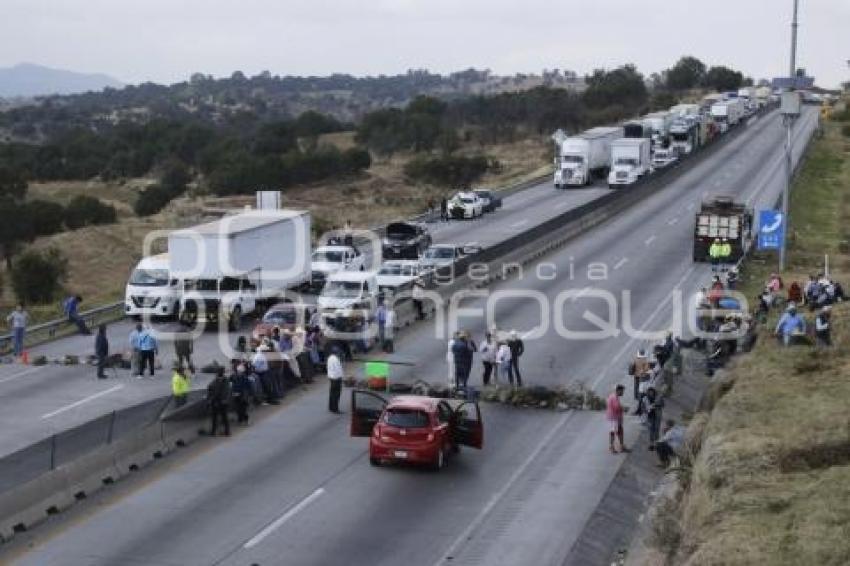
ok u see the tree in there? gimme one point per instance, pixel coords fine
(623, 86)
(13, 183)
(448, 170)
(86, 211)
(45, 217)
(37, 277)
(723, 78)
(687, 73)
(152, 200)
(175, 176)
(15, 228)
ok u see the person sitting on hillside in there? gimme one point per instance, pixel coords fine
(790, 325)
(774, 283)
(823, 334)
(837, 292)
(671, 443)
(809, 289)
(795, 293)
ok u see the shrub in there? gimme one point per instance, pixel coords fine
(37, 277)
(846, 130)
(85, 211)
(449, 171)
(152, 200)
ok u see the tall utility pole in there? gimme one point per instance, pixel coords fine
(793, 71)
(790, 112)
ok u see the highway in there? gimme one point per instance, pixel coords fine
(53, 398)
(295, 489)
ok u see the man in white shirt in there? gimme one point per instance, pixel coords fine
(18, 320)
(335, 381)
(389, 328)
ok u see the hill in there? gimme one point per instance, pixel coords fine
(28, 80)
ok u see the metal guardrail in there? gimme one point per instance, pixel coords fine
(47, 331)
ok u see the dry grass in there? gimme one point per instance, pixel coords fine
(101, 257)
(771, 484)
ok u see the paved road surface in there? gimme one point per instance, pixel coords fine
(296, 490)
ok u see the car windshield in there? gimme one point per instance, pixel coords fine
(330, 257)
(439, 253)
(280, 317)
(572, 159)
(466, 200)
(401, 231)
(202, 285)
(390, 270)
(626, 161)
(342, 289)
(406, 418)
(483, 194)
(149, 277)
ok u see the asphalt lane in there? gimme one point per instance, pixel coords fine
(299, 474)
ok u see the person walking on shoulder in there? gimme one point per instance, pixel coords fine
(517, 350)
(101, 350)
(614, 415)
(18, 320)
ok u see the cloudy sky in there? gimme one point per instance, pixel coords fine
(167, 40)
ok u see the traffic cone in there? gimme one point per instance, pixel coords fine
(25, 357)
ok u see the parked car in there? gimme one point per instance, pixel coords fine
(414, 429)
(441, 255)
(466, 205)
(491, 200)
(286, 316)
(404, 240)
(328, 260)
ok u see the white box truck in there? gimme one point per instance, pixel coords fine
(659, 122)
(585, 155)
(231, 266)
(630, 160)
(727, 114)
(152, 291)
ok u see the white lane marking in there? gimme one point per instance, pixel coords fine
(649, 240)
(631, 341)
(519, 472)
(20, 374)
(520, 223)
(275, 525)
(620, 263)
(673, 220)
(81, 402)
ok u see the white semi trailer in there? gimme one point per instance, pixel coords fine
(585, 155)
(630, 160)
(231, 266)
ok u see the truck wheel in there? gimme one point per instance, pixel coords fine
(234, 320)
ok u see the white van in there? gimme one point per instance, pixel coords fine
(151, 290)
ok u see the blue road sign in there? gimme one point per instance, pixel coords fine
(771, 229)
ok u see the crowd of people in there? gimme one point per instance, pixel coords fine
(499, 354)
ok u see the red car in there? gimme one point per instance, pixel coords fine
(415, 429)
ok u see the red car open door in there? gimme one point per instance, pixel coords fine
(366, 409)
(467, 428)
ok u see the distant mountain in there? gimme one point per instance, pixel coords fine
(27, 79)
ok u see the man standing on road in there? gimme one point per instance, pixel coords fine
(135, 350)
(334, 380)
(218, 396)
(444, 209)
(517, 349)
(715, 253)
(450, 359)
(148, 348)
(488, 357)
(70, 307)
(462, 352)
(614, 415)
(18, 320)
(639, 369)
(389, 330)
(179, 385)
(101, 350)
(381, 319)
(183, 348)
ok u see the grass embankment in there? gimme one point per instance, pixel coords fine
(101, 257)
(771, 484)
